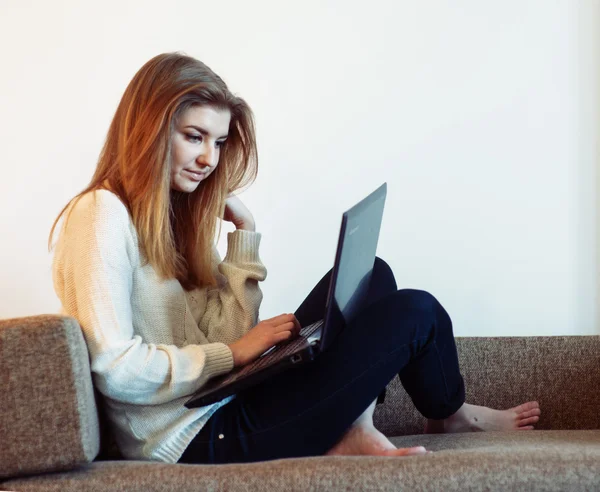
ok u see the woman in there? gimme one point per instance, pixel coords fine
(161, 313)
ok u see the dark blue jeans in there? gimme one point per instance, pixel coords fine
(306, 410)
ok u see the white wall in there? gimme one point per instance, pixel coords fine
(483, 117)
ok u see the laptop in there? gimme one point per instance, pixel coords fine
(348, 288)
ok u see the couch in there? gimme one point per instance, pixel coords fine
(51, 427)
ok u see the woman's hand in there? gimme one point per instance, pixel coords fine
(238, 213)
(262, 337)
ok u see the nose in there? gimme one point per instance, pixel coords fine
(206, 156)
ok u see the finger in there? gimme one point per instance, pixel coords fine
(297, 323)
(282, 337)
(289, 326)
(279, 319)
(288, 317)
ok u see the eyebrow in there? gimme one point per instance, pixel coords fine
(205, 132)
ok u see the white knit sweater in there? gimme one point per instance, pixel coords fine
(151, 343)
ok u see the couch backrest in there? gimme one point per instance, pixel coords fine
(48, 416)
(562, 373)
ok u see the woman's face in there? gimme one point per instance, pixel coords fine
(196, 145)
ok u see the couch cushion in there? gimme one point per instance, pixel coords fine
(537, 460)
(562, 373)
(541, 441)
(48, 417)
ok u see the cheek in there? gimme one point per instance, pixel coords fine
(181, 156)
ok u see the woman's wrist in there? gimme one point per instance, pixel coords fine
(234, 353)
(246, 226)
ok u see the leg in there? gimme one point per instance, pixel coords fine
(312, 308)
(305, 412)
(364, 439)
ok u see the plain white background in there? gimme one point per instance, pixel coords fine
(482, 116)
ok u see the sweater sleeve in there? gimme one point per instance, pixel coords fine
(232, 307)
(93, 276)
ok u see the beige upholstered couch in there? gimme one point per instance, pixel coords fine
(50, 439)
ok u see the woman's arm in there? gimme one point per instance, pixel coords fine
(93, 274)
(232, 307)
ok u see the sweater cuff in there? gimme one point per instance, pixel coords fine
(242, 246)
(219, 359)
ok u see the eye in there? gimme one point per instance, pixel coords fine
(220, 143)
(194, 138)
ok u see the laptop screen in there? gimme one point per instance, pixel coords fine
(354, 261)
(358, 256)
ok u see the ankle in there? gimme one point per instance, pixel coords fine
(435, 426)
(362, 424)
(366, 418)
(460, 417)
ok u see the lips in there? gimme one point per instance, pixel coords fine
(194, 175)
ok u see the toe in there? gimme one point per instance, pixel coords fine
(535, 412)
(528, 421)
(526, 407)
(417, 450)
(526, 428)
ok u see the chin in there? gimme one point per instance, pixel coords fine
(185, 187)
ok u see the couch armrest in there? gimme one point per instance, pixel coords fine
(48, 416)
(562, 373)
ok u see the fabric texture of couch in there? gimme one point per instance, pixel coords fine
(50, 430)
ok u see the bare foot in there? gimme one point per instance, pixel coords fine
(364, 439)
(471, 418)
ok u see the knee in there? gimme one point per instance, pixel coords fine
(380, 264)
(381, 268)
(423, 306)
(418, 301)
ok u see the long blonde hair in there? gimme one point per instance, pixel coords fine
(176, 231)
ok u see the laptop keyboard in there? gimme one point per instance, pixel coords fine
(272, 356)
